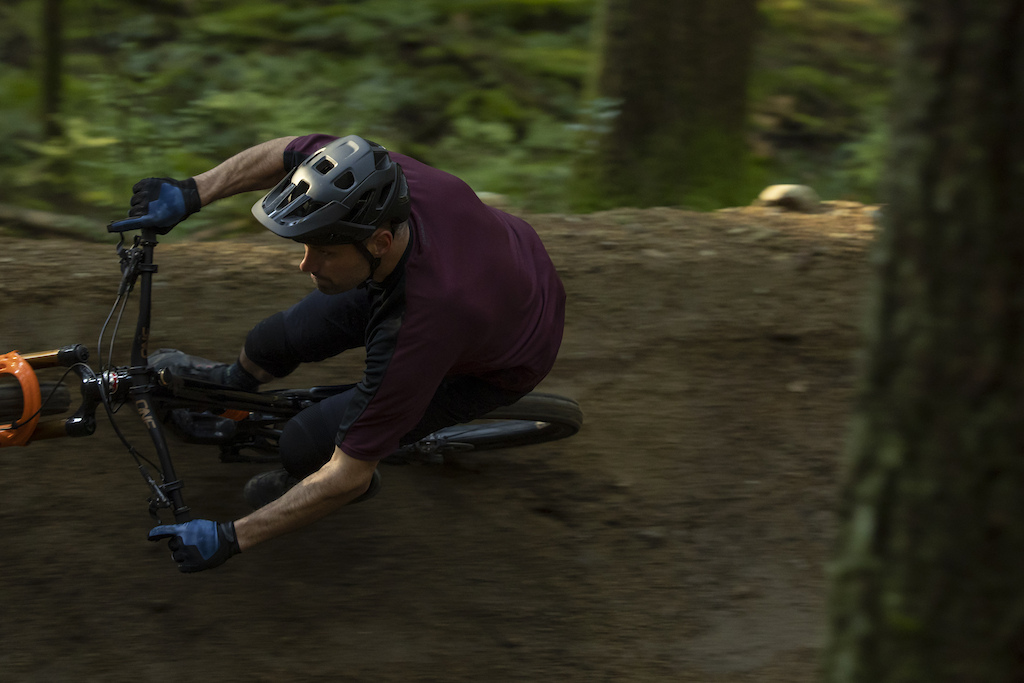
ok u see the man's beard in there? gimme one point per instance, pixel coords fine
(326, 286)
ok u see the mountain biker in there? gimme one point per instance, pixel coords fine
(457, 304)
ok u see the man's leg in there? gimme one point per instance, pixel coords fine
(318, 327)
(308, 440)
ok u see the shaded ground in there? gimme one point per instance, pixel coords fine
(681, 536)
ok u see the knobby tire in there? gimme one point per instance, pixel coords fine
(533, 419)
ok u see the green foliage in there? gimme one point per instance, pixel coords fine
(820, 91)
(171, 88)
(488, 89)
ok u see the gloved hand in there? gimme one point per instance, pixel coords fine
(160, 203)
(199, 544)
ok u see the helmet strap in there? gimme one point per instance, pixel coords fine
(374, 262)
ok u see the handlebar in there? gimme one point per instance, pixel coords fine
(134, 384)
(63, 357)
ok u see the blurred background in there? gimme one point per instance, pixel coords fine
(518, 97)
(682, 536)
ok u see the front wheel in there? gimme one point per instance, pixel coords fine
(533, 419)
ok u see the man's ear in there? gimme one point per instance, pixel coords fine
(380, 242)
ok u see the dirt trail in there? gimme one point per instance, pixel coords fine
(681, 536)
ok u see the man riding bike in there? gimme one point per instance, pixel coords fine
(457, 304)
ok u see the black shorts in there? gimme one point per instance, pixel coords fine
(321, 326)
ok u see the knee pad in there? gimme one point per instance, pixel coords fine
(305, 445)
(267, 346)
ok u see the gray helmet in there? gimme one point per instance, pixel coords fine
(339, 195)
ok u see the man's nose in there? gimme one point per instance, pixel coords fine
(306, 264)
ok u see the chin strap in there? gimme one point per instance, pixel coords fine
(374, 262)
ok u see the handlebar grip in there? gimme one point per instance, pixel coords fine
(69, 355)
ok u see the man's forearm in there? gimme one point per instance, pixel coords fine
(257, 168)
(339, 482)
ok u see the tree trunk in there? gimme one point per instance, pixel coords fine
(668, 125)
(53, 52)
(929, 578)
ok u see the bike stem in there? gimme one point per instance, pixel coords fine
(142, 386)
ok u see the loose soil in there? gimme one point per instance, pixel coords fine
(682, 535)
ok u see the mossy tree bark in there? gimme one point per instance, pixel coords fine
(929, 579)
(669, 117)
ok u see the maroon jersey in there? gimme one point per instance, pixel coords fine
(475, 294)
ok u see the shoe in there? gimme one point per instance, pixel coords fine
(194, 367)
(269, 486)
(371, 491)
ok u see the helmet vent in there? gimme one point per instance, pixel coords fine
(299, 190)
(299, 203)
(385, 195)
(345, 181)
(307, 208)
(360, 206)
(324, 166)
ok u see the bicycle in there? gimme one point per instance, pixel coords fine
(246, 426)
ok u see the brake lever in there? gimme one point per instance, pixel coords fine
(130, 259)
(159, 499)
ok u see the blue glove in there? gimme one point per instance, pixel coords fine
(199, 544)
(160, 203)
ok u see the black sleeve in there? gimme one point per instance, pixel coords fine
(293, 158)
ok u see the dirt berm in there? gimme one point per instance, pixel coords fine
(682, 535)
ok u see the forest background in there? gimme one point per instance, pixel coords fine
(499, 92)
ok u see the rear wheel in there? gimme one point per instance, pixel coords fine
(535, 418)
(56, 399)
